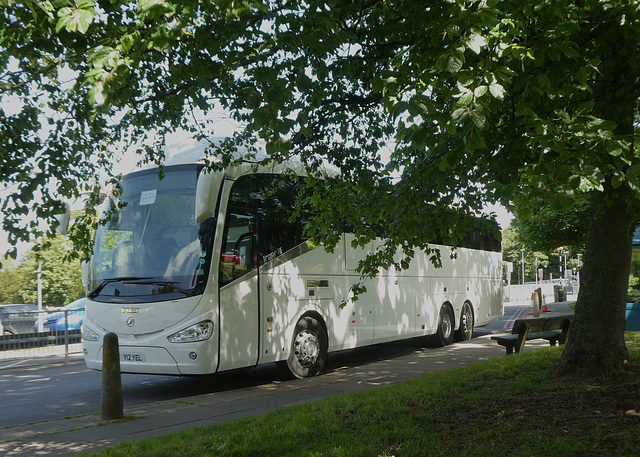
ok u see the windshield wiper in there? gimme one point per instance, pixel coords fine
(124, 279)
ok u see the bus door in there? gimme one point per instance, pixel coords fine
(239, 303)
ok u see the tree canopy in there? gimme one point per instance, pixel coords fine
(61, 282)
(549, 228)
(476, 102)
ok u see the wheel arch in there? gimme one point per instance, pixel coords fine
(448, 304)
(317, 316)
(445, 331)
(458, 317)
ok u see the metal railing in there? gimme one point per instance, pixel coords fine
(60, 335)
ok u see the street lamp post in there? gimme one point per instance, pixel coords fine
(40, 317)
(522, 250)
(578, 275)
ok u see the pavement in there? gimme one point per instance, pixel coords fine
(71, 436)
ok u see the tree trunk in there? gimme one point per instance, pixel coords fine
(596, 338)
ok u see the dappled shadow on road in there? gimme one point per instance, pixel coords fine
(371, 366)
(389, 363)
(137, 390)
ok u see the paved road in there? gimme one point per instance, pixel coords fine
(512, 311)
(36, 392)
(44, 392)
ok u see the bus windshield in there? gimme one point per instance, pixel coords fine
(151, 248)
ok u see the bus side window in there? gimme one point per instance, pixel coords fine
(278, 232)
(272, 198)
(237, 250)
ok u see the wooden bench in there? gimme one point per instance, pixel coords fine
(553, 329)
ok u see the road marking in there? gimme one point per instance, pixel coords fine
(508, 325)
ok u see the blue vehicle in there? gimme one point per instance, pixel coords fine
(75, 315)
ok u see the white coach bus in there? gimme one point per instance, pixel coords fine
(204, 272)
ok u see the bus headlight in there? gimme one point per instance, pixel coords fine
(88, 334)
(197, 332)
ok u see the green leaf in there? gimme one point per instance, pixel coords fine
(48, 8)
(536, 181)
(614, 149)
(478, 117)
(156, 8)
(84, 21)
(574, 182)
(633, 172)
(444, 163)
(64, 19)
(497, 91)
(616, 181)
(460, 114)
(480, 91)
(466, 99)
(476, 42)
(455, 61)
(562, 114)
(544, 80)
(76, 19)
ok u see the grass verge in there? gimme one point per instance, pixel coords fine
(505, 406)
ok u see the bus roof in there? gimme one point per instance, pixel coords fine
(195, 153)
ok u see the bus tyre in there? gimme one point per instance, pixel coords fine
(466, 323)
(308, 348)
(444, 335)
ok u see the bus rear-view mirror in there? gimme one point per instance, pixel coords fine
(207, 195)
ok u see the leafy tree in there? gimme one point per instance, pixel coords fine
(60, 277)
(512, 245)
(479, 101)
(11, 280)
(548, 228)
(512, 252)
(553, 234)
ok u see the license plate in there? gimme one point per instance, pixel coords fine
(126, 357)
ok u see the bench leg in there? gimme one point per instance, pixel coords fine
(522, 338)
(553, 341)
(509, 348)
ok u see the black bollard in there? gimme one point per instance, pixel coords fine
(111, 381)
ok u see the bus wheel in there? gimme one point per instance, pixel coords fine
(308, 348)
(466, 323)
(444, 335)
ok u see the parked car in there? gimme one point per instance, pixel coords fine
(17, 318)
(74, 314)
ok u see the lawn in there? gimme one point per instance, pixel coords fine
(501, 407)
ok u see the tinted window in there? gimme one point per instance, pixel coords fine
(238, 248)
(272, 198)
(484, 235)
